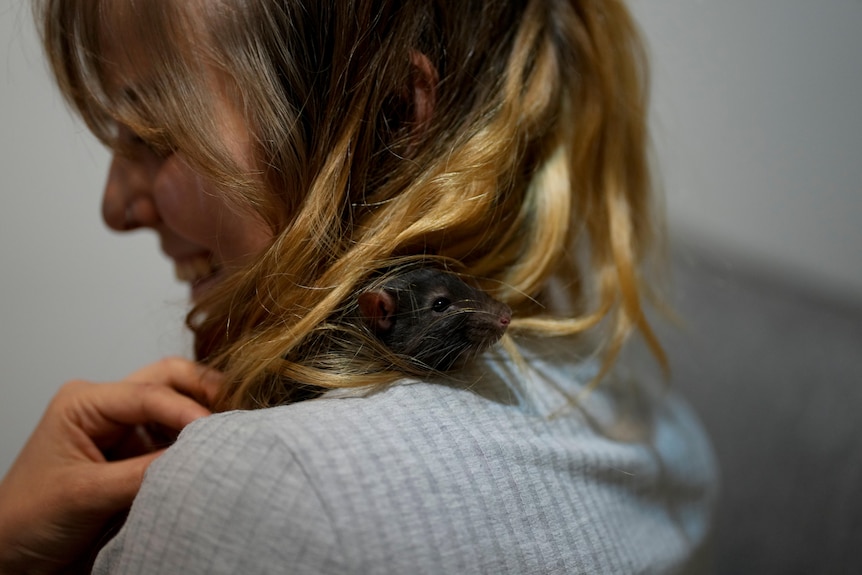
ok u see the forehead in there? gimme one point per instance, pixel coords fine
(136, 41)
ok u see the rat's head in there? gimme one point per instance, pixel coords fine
(433, 317)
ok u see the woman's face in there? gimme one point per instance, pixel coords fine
(204, 235)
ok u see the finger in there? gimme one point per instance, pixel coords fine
(103, 409)
(119, 481)
(189, 377)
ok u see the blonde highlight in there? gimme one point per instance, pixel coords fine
(534, 166)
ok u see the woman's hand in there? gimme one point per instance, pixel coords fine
(84, 462)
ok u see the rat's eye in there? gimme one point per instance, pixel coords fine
(441, 304)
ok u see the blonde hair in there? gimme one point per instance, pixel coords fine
(533, 165)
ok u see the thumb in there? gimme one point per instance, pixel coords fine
(120, 481)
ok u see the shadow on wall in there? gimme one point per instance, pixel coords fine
(775, 372)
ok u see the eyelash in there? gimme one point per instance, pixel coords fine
(130, 143)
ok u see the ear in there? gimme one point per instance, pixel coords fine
(424, 89)
(377, 308)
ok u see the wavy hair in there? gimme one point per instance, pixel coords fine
(531, 174)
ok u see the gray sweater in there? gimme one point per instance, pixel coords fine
(492, 472)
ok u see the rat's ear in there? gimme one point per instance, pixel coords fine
(377, 308)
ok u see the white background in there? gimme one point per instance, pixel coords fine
(758, 131)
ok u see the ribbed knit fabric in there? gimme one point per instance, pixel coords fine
(487, 474)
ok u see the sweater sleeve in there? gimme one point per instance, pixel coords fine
(207, 504)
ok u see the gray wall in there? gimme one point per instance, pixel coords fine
(758, 131)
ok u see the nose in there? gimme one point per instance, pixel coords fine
(127, 202)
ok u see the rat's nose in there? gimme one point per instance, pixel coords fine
(505, 316)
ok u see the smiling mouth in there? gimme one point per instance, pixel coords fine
(195, 270)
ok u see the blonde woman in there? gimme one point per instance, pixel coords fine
(287, 153)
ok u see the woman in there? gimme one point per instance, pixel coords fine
(288, 153)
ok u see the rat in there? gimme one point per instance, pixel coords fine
(433, 316)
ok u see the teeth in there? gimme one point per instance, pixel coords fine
(193, 269)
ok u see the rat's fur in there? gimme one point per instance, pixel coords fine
(434, 317)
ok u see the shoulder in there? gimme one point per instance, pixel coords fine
(483, 474)
(255, 490)
(228, 497)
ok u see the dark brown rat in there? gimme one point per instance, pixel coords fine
(433, 316)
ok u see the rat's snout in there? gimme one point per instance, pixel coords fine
(504, 316)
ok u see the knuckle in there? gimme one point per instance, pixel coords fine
(174, 363)
(72, 385)
(148, 388)
(71, 389)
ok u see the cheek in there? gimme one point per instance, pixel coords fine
(184, 203)
(192, 209)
